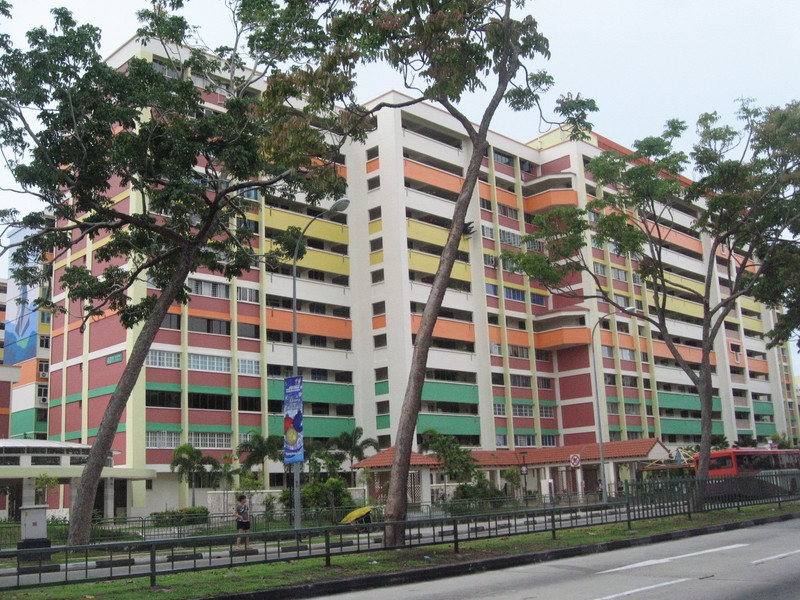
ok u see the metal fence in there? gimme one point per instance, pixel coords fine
(194, 548)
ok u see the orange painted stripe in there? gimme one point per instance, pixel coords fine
(494, 334)
(373, 165)
(551, 199)
(432, 176)
(507, 198)
(562, 338)
(210, 314)
(309, 323)
(516, 337)
(445, 328)
(379, 322)
(693, 355)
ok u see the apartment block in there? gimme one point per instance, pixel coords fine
(511, 367)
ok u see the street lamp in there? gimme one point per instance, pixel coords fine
(601, 446)
(297, 468)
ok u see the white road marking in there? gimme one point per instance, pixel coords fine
(776, 557)
(661, 561)
(643, 589)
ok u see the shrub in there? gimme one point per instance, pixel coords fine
(192, 515)
(475, 497)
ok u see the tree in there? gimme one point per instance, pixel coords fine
(457, 462)
(353, 447)
(259, 451)
(71, 126)
(192, 466)
(513, 478)
(747, 207)
(445, 50)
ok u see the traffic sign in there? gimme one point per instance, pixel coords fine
(575, 460)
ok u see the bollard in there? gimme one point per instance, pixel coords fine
(327, 547)
(153, 565)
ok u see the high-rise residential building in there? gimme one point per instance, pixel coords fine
(511, 367)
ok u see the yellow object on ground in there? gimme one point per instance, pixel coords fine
(358, 514)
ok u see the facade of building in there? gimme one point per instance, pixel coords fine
(511, 367)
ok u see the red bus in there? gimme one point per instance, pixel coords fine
(749, 461)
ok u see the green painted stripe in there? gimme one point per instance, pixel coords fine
(327, 427)
(253, 429)
(438, 391)
(635, 428)
(381, 388)
(163, 427)
(211, 428)
(766, 429)
(315, 391)
(632, 401)
(163, 387)
(382, 421)
(522, 401)
(449, 424)
(250, 392)
(548, 403)
(763, 408)
(501, 430)
(109, 389)
(525, 430)
(210, 389)
(685, 401)
(550, 432)
(94, 430)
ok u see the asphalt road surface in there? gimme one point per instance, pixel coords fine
(756, 563)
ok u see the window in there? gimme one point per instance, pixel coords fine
(596, 243)
(246, 294)
(544, 383)
(208, 288)
(627, 354)
(249, 404)
(163, 359)
(490, 260)
(210, 363)
(163, 439)
(630, 381)
(608, 351)
(522, 410)
(535, 245)
(44, 341)
(486, 204)
(171, 321)
(503, 158)
(373, 184)
(45, 317)
(210, 440)
(509, 237)
(248, 330)
(495, 348)
(205, 401)
(377, 276)
(621, 300)
(492, 289)
(544, 355)
(380, 340)
(378, 308)
(523, 381)
(248, 366)
(636, 278)
(162, 398)
(619, 274)
(507, 211)
(487, 231)
(315, 275)
(592, 216)
(548, 440)
(610, 378)
(376, 244)
(382, 407)
(518, 351)
(214, 326)
(42, 391)
(499, 410)
(613, 408)
(319, 374)
(374, 213)
(317, 308)
(599, 268)
(318, 341)
(501, 439)
(631, 409)
(538, 299)
(514, 294)
(527, 166)
(381, 373)
(546, 412)
(44, 368)
(497, 379)
(527, 439)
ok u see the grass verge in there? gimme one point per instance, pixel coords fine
(219, 582)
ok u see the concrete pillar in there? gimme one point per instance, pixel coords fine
(28, 491)
(425, 486)
(108, 498)
(579, 482)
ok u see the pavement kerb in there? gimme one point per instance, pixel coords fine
(312, 590)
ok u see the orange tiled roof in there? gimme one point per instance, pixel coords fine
(384, 458)
(560, 454)
(533, 456)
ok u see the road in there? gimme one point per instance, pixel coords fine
(746, 564)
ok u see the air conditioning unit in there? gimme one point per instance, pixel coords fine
(44, 374)
(42, 399)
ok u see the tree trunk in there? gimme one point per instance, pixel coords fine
(81, 512)
(397, 501)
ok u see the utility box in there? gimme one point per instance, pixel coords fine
(34, 522)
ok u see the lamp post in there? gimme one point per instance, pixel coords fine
(297, 468)
(523, 470)
(603, 489)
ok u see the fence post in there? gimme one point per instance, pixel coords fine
(327, 547)
(152, 565)
(455, 535)
(553, 520)
(628, 507)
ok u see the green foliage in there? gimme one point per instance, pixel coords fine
(192, 465)
(458, 463)
(259, 449)
(478, 496)
(322, 495)
(192, 515)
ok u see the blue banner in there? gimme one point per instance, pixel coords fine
(293, 420)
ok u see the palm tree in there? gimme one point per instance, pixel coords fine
(353, 447)
(260, 450)
(190, 464)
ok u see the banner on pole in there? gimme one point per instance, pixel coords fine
(293, 420)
